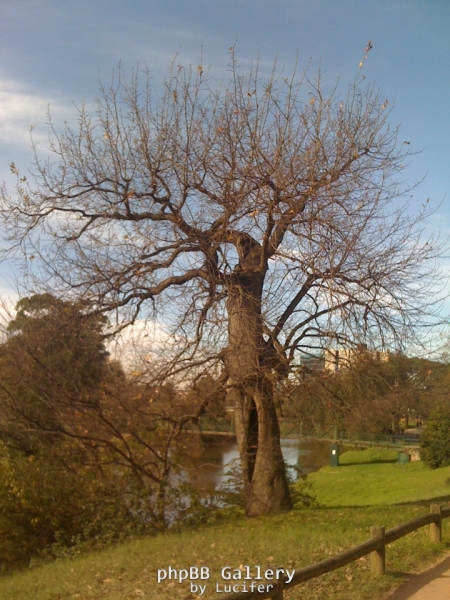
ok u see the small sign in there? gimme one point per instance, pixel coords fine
(334, 455)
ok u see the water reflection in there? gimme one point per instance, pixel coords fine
(209, 461)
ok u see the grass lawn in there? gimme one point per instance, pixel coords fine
(371, 477)
(292, 540)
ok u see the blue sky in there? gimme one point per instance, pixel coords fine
(53, 52)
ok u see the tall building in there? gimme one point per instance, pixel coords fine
(335, 360)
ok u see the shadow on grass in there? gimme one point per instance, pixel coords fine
(436, 500)
(426, 503)
(368, 462)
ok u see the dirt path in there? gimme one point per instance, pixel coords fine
(432, 584)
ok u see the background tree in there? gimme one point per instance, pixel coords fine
(52, 350)
(369, 396)
(254, 219)
(58, 387)
(435, 439)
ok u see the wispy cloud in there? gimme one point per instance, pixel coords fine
(24, 108)
(139, 343)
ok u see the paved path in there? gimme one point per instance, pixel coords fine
(433, 584)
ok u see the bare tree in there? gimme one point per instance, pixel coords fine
(253, 219)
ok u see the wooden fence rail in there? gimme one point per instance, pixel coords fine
(375, 547)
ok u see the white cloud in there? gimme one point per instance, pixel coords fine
(24, 108)
(139, 343)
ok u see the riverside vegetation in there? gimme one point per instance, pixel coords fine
(348, 504)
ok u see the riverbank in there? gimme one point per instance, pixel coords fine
(293, 540)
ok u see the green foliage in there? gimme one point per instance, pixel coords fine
(231, 490)
(52, 501)
(64, 333)
(53, 358)
(435, 439)
(302, 493)
(371, 396)
(193, 510)
(74, 475)
(209, 396)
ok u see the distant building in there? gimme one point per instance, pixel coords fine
(335, 360)
(313, 362)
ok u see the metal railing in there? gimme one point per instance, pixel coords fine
(288, 430)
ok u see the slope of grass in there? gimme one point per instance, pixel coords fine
(372, 477)
(369, 456)
(292, 540)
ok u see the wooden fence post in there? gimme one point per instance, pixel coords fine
(378, 557)
(279, 594)
(436, 528)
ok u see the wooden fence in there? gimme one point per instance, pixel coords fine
(376, 547)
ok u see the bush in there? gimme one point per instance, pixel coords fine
(302, 493)
(51, 502)
(435, 439)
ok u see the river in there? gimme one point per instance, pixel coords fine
(210, 461)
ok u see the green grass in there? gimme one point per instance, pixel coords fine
(371, 477)
(293, 540)
(369, 456)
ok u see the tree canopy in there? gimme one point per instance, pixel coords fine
(52, 360)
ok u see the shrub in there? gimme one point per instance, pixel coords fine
(50, 502)
(435, 439)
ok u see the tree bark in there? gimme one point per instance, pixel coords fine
(251, 393)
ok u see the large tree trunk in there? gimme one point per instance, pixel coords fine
(251, 392)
